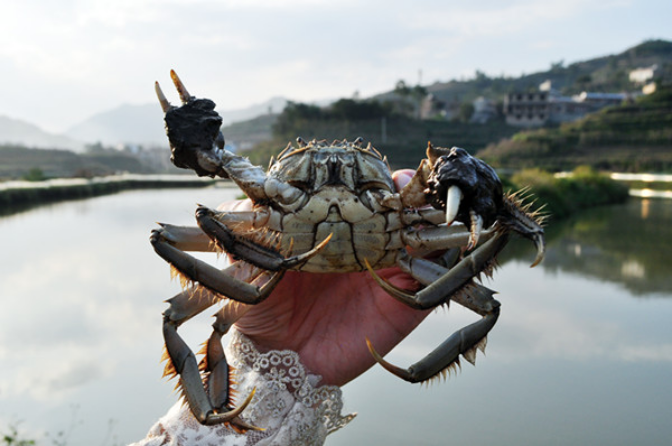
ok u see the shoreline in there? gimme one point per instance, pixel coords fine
(18, 195)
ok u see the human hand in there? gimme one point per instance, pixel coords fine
(326, 318)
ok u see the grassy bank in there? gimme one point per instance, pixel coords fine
(563, 196)
(15, 195)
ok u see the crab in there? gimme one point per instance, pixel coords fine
(330, 207)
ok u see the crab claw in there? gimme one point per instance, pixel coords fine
(453, 200)
(165, 104)
(181, 89)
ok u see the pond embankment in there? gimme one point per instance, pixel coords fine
(29, 193)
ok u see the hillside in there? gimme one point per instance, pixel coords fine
(406, 136)
(138, 124)
(18, 162)
(601, 74)
(402, 139)
(143, 124)
(16, 131)
(632, 137)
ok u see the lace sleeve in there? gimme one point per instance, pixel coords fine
(289, 404)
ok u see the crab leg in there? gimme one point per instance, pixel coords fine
(259, 255)
(463, 342)
(444, 284)
(440, 290)
(186, 238)
(211, 407)
(442, 237)
(211, 277)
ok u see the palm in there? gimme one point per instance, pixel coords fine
(327, 317)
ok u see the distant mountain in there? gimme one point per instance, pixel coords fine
(15, 131)
(143, 124)
(138, 124)
(272, 106)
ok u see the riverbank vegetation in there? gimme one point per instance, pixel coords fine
(560, 197)
(401, 138)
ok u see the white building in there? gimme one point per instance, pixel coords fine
(641, 76)
(548, 106)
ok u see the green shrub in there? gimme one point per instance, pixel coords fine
(563, 196)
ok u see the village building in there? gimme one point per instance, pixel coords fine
(642, 76)
(548, 106)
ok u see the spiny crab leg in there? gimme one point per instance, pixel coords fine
(210, 277)
(184, 361)
(440, 290)
(464, 341)
(258, 255)
(211, 407)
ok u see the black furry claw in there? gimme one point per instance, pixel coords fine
(480, 187)
(193, 131)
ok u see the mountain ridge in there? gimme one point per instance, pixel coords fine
(18, 131)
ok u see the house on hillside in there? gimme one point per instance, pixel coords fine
(549, 106)
(484, 110)
(643, 75)
(527, 109)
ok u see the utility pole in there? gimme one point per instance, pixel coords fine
(383, 130)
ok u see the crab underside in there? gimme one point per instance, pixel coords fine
(330, 207)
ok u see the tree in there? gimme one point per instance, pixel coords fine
(466, 111)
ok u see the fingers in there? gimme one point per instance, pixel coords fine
(402, 177)
(236, 206)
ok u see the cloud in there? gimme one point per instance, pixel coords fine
(69, 60)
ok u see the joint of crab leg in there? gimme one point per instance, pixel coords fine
(453, 200)
(474, 230)
(181, 89)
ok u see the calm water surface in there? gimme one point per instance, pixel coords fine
(582, 352)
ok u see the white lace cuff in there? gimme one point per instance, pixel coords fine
(288, 403)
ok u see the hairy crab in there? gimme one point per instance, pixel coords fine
(330, 207)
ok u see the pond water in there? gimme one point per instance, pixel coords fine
(581, 354)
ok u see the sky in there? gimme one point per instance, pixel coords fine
(62, 62)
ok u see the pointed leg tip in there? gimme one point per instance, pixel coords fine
(537, 260)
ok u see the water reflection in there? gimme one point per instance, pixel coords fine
(574, 359)
(624, 244)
